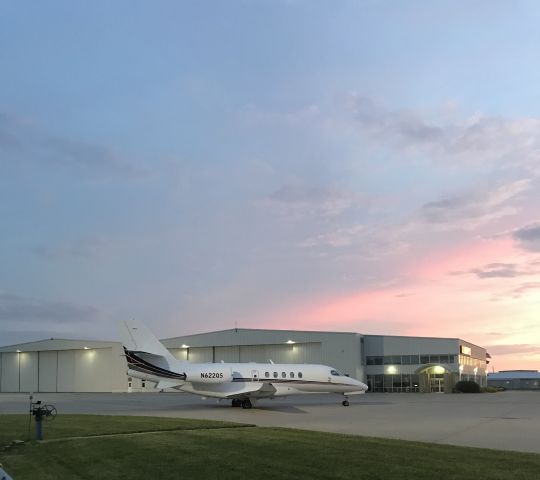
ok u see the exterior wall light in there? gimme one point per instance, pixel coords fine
(184, 346)
(86, 348)
(391, 369)
(18, 351)
(290, 342)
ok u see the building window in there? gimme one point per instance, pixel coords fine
(376, 382)
(421, 359)
(392, 360)
(374, 360)
(415, 359)
(405, 383)
(393, 383)
(407, 359)
(388, 382)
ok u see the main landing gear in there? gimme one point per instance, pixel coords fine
(345, 402)
(246, 403)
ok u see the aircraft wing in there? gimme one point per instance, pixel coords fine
(231, 389)
(163, 384)
(254, 390)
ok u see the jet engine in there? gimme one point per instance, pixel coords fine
(213, 373)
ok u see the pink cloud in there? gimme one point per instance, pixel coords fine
(433, 303)
(437, 264)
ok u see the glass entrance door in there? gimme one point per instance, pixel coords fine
(437, 384)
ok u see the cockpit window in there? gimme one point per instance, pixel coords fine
(336, 373)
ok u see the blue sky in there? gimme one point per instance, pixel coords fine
(197, 164)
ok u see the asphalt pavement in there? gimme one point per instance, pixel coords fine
(506, 420)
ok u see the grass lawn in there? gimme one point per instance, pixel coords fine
(15, 427)
(223, 453)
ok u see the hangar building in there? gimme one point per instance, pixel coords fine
(386, 363)
(57, 365)
(515, 379)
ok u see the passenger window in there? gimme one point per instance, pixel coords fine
(292, 374)
(299, 374)
(267, 374)
(275, 374)
(283, 375)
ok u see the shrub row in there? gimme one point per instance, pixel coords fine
(467, 386)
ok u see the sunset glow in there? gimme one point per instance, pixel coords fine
(359, 166)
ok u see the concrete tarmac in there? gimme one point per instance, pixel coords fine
(507, 420)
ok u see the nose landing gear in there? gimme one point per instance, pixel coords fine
(345, 403)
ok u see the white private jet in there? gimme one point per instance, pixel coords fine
(243, 383)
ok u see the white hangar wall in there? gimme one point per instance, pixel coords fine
(340, 350)
(9, 379)
(297, 353)
(63, 366)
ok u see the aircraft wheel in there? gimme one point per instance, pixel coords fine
(345, 403)
(236, 402)
(247, 403)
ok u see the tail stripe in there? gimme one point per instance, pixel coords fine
(137, 363)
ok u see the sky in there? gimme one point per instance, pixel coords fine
(367, 166)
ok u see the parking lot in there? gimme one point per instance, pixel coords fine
(506, 420)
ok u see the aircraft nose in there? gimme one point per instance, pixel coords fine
(360, 386)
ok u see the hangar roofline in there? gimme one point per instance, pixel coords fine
(413, 336)
(238, 330)
(43, 340)
(258, 330)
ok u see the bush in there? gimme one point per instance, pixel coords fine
(467, 386)
(489, 390)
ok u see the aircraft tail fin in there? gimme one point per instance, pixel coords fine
(137, 338)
